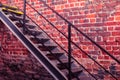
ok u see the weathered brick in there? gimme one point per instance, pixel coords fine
(91, 17)
(115, 33)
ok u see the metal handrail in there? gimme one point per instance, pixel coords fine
(60, 46)
(69, 51)
(81, 32)
(72, 41)
(24, 15)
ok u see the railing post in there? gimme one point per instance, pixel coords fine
(69, 50)
(24, 16)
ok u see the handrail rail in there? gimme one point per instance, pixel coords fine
(69, 51)
(81, 32)
(73, 42)
(59, 44)
(24, 16)
(62, 48)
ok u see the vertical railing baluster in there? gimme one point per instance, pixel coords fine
(24, 16)
(70, 25)
(69, 51)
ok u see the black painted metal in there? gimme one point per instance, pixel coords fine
(63, 49)
(69, 50)
(52, 53)
(31, 47)
(8, 7)
(82, 33)
(73, 42)
(24, 15)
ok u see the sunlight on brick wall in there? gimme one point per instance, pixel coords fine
(99, 19)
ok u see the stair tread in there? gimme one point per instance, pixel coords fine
(85, 78)
(10, 7)
(12, 11)
(36, 34)
(58, 52)
(46, 63)
(75, 73)
(52, 56)
(30, 25)
(46, 47)
(26, 24)
(17, 18)
(33, 32)
(49, 53)
(76, 69)
(46, 52)
(38, 40)
(65, 61)
(38, 37)
(50, 45)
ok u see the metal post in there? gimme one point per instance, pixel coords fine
(69, 50)
(24, 16)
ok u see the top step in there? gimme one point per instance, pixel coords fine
(8, 7)
(11, 9)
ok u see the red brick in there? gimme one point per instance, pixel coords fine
(85, 18)
(71, 1)
(72, 5)
(115, 33)
(110, 19)
(117, 18)
(105, 62)
(92, 20)
(110, 28)
(117, 13)
(116, 53)
(91, 16)
(117, 28)
(108, 48)
(106, 57)
(100, 57)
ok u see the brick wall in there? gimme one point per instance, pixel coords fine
(99, 19)
(16, 62)
(8, 42)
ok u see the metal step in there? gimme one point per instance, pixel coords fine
(85, 78)
(28, 25)
(38, 40)
(42, 40)
(46, 47)
(32, 32)
(75, 71)
(65, 63)
(31, 26)
(48, 54)
(17, 18)
(53, 56)
(8, 7)
(38, 54)
(17, 12)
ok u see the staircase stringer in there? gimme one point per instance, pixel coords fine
(51, 68)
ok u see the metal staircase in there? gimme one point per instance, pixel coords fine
(40, 45)
(45, 49)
